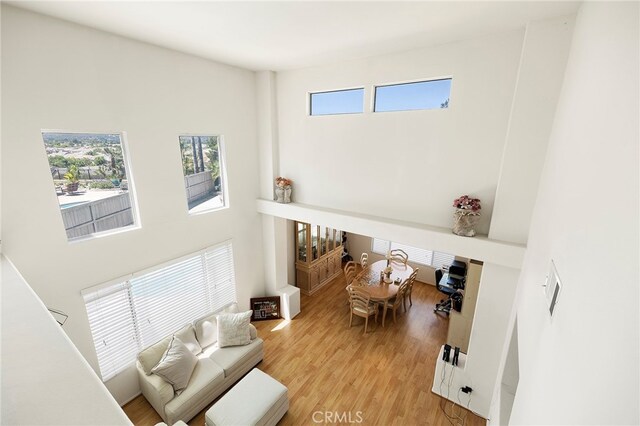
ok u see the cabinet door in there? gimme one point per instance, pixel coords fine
(322, 270)
(331, 266)
(323, 241)
(315, 241)
(301, 241)
(314, 277)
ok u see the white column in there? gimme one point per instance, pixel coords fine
(274, 229)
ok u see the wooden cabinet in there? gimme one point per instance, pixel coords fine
(460, 322)
(318, 256)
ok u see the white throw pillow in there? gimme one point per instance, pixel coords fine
(151, 356)
(187, 336)
(233, 329)
(176, 365)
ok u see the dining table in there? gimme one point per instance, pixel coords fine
(380, 291)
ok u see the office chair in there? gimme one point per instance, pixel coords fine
(451, 292)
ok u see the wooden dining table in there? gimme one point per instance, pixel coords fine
(379, 291)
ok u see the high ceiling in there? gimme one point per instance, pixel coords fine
(270, 35)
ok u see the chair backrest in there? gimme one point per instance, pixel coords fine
(438, 276)
(359, 298)
(350, 271)
(364, 260)
(399, 255)
(412, 278)
(402, 289)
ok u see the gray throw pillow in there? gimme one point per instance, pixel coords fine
(233, 329)
(176, 365)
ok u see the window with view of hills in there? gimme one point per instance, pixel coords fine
(203, 169)
(91, 181)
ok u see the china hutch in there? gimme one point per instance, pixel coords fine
(318, 256)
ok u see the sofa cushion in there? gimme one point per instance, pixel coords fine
(176, 364)
(233, 329)
(206, 330)
(151, 356)
(205, 378)
(187, 335)
(232, 357)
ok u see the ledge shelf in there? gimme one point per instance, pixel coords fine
(415, 234)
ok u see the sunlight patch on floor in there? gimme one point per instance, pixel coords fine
(280, 326)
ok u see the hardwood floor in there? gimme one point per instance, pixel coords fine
(337, 375)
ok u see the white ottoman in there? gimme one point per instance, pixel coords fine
(257, 399)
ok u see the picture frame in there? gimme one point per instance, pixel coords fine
(265, 308)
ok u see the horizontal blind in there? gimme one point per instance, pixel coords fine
(169, 298)
(113, 328)
(220, 276)
(380, 246)
(442, 259)
(127, 317)
(415, 254)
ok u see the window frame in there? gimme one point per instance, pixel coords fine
(223, 171)
(131, 187)
(374, 92)
(124, 284)
(310, 101)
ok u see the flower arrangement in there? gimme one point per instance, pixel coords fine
(467, 203)
(283, 182)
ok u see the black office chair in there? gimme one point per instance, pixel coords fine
(451, 292)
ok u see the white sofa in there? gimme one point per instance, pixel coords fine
(217, 370)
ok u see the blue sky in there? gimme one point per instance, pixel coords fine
(397, 97)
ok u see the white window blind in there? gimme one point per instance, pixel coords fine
(417, 255)
(127, 317)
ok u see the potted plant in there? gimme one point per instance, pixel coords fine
(283, 190)
(466, 215)
(73, 179)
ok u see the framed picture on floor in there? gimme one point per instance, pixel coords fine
(265, 308)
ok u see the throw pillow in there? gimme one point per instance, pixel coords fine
(151, 356)
(176, 365)
(187, 336)
(233, 329)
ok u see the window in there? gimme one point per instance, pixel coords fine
(417, 255)
(127, 316)
(349, 101)
(430, 94)
(203, 168)
(89, 172)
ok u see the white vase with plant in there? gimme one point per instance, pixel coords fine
(466, 215)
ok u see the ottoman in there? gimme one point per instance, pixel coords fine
(257, 399)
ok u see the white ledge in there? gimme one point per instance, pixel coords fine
(429, 237)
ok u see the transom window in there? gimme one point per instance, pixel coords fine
(421, 256)
(350, 101)
(432, 94)
(91, 180)
(128, 315)
(204, 174)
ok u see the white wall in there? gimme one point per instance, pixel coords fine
(58, 75)
(64, 390)
(540, 75)
(406, 165)
(581, 366)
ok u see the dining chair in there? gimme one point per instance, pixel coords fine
(399, 255)
(364, 260)
(350, 271)
(407, 294)
(395, 302)
(361, 305)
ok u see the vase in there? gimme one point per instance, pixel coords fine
(464, 222)
(283, 194)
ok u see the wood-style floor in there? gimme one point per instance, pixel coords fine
(343, 376)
